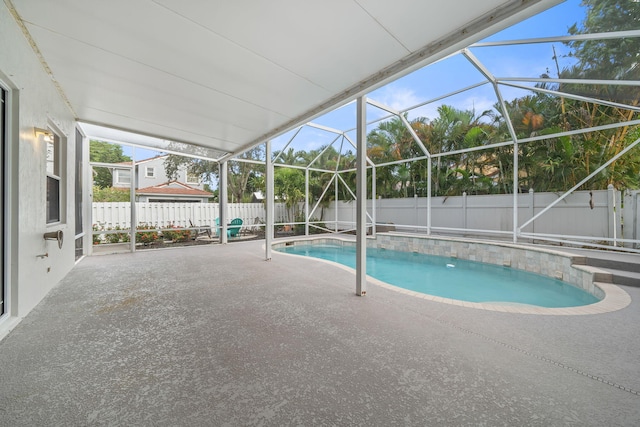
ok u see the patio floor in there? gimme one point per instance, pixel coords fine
(214, 335)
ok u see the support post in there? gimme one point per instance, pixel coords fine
(132, 199)
(516, 185)
(270, 200)
(429, 197)
(374, 190)
(222, 198)
(361, 198)
(306, 201)
(335, 201)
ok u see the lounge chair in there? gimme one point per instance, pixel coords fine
(204, 229)
(234, 228)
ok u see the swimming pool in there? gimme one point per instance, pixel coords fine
(453, 278)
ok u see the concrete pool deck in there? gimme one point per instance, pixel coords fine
(215, 335)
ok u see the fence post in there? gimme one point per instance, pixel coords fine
(415, 211)
(532, 209)
(611, 210)
(627, 218)
(464, 210)
(635, 218)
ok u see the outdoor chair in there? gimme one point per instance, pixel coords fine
(204, 229)
(234, 228)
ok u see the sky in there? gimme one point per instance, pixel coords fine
(451, 74)
(456, 72)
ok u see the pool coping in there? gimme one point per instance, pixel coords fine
(615, 298)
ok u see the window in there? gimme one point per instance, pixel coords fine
(150, 172)
(123, 176)
(52, 142)
(78, 193)
(193, 178)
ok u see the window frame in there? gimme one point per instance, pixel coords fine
(53, 169)
(151, 169)
(118, 181)
(196, 182)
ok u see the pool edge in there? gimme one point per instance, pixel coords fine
(613, 297)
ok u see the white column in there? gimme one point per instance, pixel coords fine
(222, 199)
(335, 200)
(429, 197)
(374, 197)
(516, 185)
(306, 202)
(270, 201)
(361, 198)
(132, 199)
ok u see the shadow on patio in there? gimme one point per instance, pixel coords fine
(214, 335)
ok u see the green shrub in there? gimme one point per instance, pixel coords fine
(176, 234)
(146, 237)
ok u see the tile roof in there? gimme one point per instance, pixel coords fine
(174, 188)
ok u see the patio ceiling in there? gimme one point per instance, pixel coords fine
(225, 75)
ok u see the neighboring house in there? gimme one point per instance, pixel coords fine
(258, 197)
(173, 191)
(153, 185)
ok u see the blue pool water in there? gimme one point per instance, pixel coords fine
(453, 278)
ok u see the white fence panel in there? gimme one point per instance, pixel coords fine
(112, 215)
(582, 213)
(164, 215)
(446, 211)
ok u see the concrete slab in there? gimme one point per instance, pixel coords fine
(215, 335)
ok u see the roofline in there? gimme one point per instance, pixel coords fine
(151, 158)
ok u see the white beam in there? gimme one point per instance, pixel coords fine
(222, 199)
(132, 198)
(562, 39)
(361, 199)
(270, 200)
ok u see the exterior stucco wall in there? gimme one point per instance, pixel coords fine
(34, 102)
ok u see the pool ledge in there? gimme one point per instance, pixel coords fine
(562, 265)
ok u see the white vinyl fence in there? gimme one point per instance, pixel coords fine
(591, 215)
(631, 208)
(111, 215)
(586, 215)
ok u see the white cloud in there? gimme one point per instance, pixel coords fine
(396, 97)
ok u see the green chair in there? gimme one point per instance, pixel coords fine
(234, 228)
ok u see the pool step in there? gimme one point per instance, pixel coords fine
(627, 278)
(624, 272)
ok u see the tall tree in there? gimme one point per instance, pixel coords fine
(104, 152)
(613, 59)
(239, 172)
(616, 58)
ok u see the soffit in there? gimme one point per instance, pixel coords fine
(222, 75)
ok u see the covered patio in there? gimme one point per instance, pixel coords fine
(214, 335)
(223, 338)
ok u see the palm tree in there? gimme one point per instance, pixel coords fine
(456, 129)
